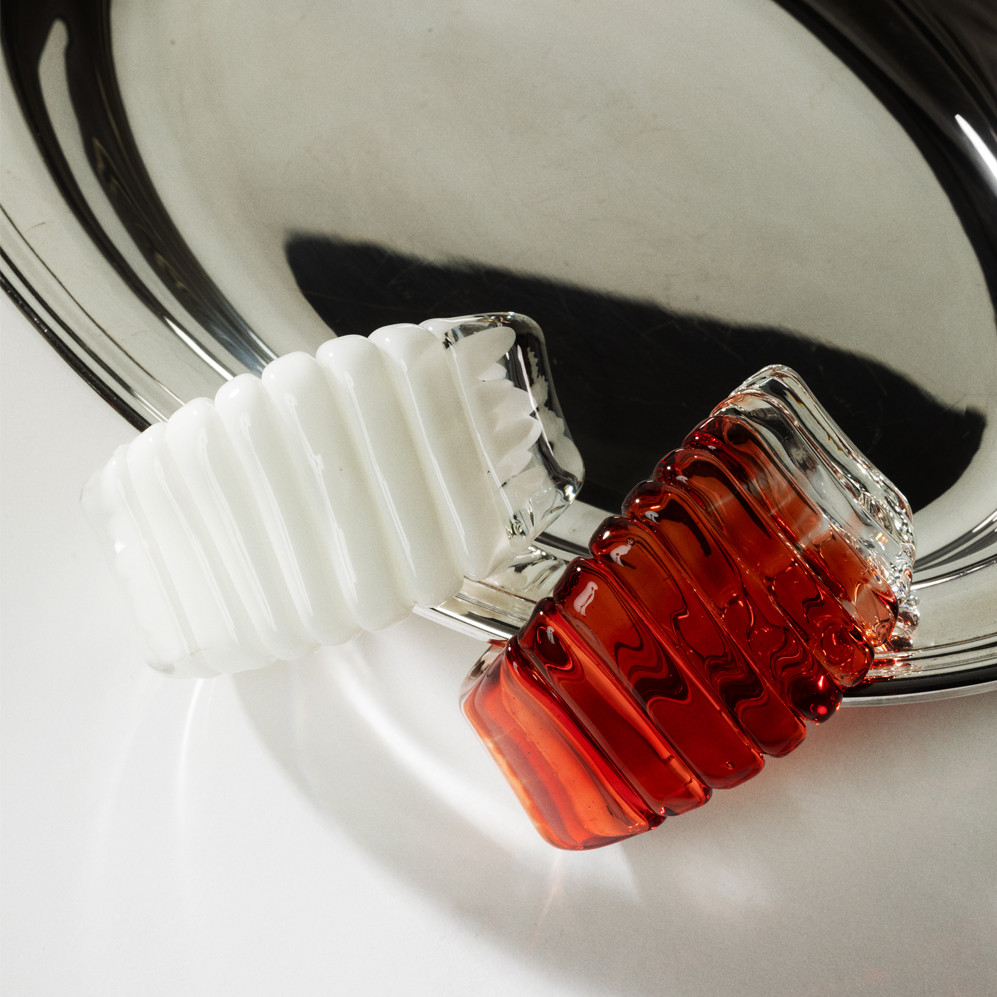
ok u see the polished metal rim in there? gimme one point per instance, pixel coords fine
(150, 328)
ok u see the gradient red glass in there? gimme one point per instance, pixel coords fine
(713, 618)
(772, 493)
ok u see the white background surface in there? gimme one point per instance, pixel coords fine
(336, 829)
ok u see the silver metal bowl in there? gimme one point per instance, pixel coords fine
(678, 193)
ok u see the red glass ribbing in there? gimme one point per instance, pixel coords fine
(712, 618)
(773, 493)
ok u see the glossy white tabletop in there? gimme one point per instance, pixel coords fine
(336, 828)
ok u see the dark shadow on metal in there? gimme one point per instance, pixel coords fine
(633, 377)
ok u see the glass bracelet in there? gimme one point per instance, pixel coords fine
(744, 585)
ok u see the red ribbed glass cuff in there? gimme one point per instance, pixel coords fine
(722, 610)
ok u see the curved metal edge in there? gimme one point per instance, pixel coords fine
(14, 284)
(116, 163)
(911, 690)
(894, 46)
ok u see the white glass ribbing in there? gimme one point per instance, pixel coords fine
(336, 492)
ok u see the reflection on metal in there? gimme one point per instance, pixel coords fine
(98, 254)
(989, 159)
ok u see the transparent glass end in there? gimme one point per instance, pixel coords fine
(856, 496)
(502, 367)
